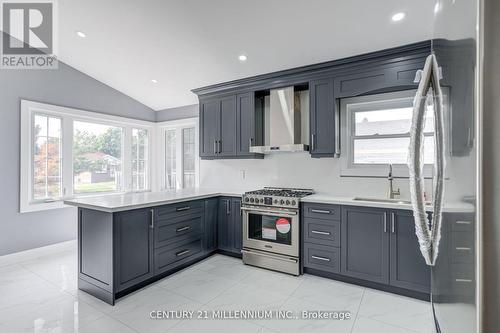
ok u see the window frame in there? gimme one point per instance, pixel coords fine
(348, 108)
(68, 116)
(178, 126)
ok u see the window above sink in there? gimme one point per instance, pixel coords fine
(375, 132)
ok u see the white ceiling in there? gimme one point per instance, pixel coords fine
(187, 44)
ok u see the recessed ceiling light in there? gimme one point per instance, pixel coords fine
(242, 58)
(398, 16)
(81, 34)
(154, 81)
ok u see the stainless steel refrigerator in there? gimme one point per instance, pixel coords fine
(449, 85)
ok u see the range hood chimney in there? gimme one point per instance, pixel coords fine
(285, 122)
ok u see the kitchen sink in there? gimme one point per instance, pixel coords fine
(385, 200)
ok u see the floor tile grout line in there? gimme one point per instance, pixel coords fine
(357, 311)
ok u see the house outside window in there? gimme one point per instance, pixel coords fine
(68, 153)
(375, 132)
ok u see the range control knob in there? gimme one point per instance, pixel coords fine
(261, 200)
(294, 202)
(288, 202)
(275, 201)
(251, 199)
(247, 199)
(282, 201)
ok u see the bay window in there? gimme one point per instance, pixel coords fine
(68, 153)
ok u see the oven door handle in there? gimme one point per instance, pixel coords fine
(273, 212)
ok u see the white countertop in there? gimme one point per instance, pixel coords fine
(121, 202)
(452, 207)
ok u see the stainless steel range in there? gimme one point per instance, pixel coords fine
(271, 228)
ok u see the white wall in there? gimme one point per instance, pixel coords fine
(323, 175)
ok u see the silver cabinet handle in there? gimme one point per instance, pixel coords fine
(320, 232)
(337, 130)
(313, 147)
(385, 222)
(178, 254)
(180, 209)
(215, 147)
(182, 229)
(321, 211)
(463, 280)
(393, 223)
(320, 258)
(462, 222)
(220, 147)
(250, 142)
(152, 222)
(463, 248)
(228, 207)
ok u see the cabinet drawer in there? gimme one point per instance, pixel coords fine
(179, 209)
(177, 229)
(322, 232)
(322, 257)
(322, 211)
(462, 247)
(462, 223)
(167, 256)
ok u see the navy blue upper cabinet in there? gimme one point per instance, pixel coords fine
(228, 127)
(209, 127)
(378, 79)
(323, 126)
(249, 127)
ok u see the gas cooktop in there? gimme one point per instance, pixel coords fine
(276, 197)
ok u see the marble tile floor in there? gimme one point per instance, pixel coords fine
(38, 293)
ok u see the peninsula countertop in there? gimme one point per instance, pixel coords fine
(121, 202)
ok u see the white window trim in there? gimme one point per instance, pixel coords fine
(347, 108)
(68, 115)
(177, 125)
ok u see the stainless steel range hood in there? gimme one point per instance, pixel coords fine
(286, 122)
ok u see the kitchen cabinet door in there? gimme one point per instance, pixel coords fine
(247, 130)
(322, 118)
(225, 225)
(227, 136)
(365, 243)
(209, 127)
(211, 217)
(408, 268)
(237, 225)
(133, 247)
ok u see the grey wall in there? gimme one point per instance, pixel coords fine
(181, 112)
(491, 168)
(66, 87)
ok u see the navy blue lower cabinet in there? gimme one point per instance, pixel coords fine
(230, 225)
(133, 247)
(408, 268)
(210, 230)
(365, 243)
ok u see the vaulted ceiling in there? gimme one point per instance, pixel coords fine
(187, 44)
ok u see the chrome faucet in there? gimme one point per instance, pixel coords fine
(390, 191)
